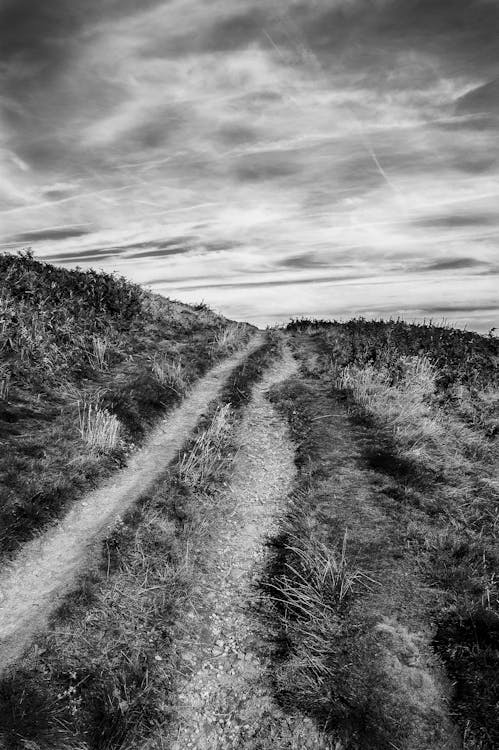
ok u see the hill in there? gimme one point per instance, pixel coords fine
(88, 362)
(387, 563)
(314, 564)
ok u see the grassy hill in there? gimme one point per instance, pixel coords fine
(392, 532)
(379, 607)
(88, 361)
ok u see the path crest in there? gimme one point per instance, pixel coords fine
(33, 584)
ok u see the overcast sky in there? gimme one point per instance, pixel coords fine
(270, 157)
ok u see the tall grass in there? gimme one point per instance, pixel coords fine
(432, 395)
(98, 428)
(318, 576)
(324, 658)
(4, 384)
(203, 461)
(403, 400)
(169, 373)
(98, 355)
(231, 338)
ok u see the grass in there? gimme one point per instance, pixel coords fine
(170, 373)
(427, 399)
(104, 677)
(316, 588)
(232, 337)
(75, 337)
(98, 428)
(202, 463)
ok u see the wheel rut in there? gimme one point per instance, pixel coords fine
(225, 701)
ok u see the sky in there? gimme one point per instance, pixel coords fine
(271, 158)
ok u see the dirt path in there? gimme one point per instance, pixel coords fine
(33, 584)
(224, 700)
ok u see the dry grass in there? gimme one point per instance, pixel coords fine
(169, 373)
(405, 402)
(98, 428)
(231, 338)
(402, 401)
(204, 460)
(99, 353)
(4, 384)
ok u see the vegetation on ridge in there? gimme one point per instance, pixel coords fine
(88, 361)
(397, 431)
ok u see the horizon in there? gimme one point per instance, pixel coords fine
(327, 160)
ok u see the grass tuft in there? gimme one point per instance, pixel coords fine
(98, 428)
(203, 461)
(4, 384)
(169, 373)
(231, 338)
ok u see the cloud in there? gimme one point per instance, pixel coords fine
(442, 309)
(218, 144)
(482, 100)
(452, 221)
(304, 261)
(270, 283)
(265, 166)
(460, 31)
(79, 257)
(451, 264)
(236, 31)
(43, 235)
